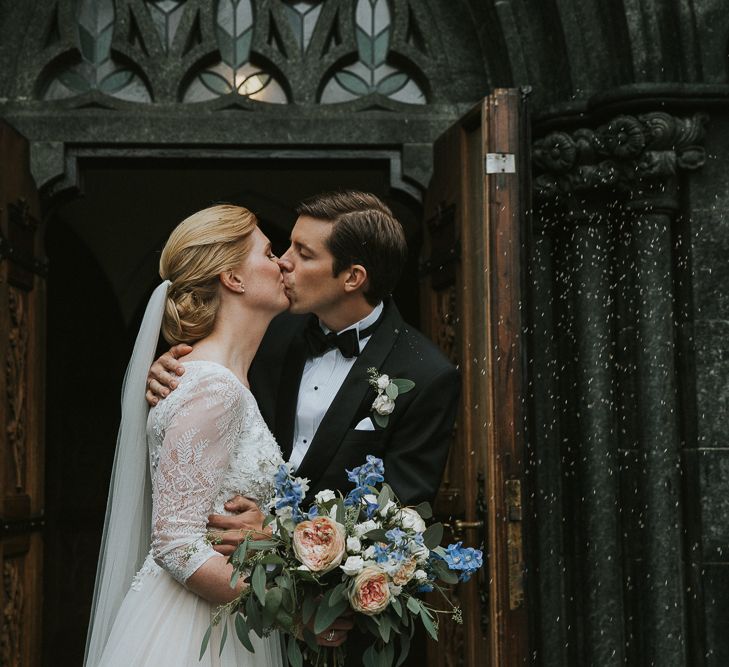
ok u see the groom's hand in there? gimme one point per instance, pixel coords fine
(163, 374)
(230, 530)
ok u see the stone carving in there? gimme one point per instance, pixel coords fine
(16, 381)
(234, 51)
(11, 635)
(445, 323)
(627, 152)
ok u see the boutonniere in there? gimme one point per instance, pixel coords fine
(388, 389)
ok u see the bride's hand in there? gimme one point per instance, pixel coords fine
(230, 531)
(163, 374)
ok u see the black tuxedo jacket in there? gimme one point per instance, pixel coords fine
(414, 444)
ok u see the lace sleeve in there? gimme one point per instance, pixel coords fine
(193, 459)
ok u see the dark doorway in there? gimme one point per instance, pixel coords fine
(103, 248)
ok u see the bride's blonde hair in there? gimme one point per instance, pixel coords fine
(199, 249)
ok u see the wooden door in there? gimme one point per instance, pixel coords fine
(471, 291)
(22, 318)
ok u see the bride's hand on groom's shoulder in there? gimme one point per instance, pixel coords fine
(163, 374)
(230, 530)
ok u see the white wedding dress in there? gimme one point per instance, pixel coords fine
(207, 443)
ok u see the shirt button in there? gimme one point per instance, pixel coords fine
(316, 388)
(304, 441)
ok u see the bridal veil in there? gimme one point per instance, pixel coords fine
(127, 525)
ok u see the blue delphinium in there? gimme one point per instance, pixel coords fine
(465, 560)
(290, 492)
(397, 537)
(368, 474)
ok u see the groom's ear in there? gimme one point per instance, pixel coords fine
(355, 278)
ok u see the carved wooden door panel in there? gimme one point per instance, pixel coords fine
(471, 292)
(22, 330)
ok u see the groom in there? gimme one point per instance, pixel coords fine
(310, 376)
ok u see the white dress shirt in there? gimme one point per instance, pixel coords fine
(321, 380)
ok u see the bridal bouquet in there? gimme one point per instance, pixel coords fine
(362, 553)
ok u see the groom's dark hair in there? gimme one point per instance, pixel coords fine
(364, 232)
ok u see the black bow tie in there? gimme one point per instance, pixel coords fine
(347, 342)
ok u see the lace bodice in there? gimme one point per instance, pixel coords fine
(207, 442)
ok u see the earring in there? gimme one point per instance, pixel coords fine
(242, 289)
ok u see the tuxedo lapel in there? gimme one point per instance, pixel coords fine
(348, 400)
(288, 393)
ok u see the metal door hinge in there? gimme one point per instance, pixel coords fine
(500, 163)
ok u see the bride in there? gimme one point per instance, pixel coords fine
(206, 443)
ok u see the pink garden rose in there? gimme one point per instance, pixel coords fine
(370, 593)
(319, 544)
(405, 573)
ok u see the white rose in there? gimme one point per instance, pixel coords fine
(420, 575)
(383, 405)
(354, 545)
(369, 552)
(394, 590)
(365, 527)
(387, 508)
(324, 496)
(420, 551)
(352, 565)
(370, 498)
(383, 381)
(410, 520)
(285, 513)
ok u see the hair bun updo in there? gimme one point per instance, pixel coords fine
(200, 248)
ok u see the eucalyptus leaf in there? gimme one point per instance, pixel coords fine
(223, 639)
(433, 535)
(293, 652)
(242, 630)
(425, 510)
(341, 511)
(258, 582)
(377, 535)
(442, 570)
(310, 639)
(206, 639)
(253, 616)
(381, 420)
(397, 606)
(388, 653)
(259, 545)
(391, 390)
(273, 600)
(404, 649)
(428, 623)
(326, 615)
(385, 627)
(339, 592)
(414, 605)
(403, 385)
(384, 497)
(272, 559)
(369, 657)
(308, 609)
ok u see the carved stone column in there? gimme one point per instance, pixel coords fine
(625, 170)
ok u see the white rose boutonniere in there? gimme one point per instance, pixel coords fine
(388, 389)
